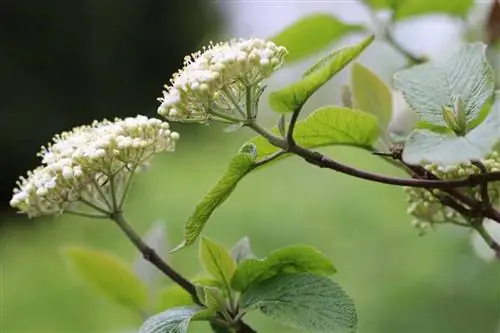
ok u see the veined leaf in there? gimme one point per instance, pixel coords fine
(305, 301)
(239, 166)
(175, 320)
(311, 34)
(294, 96)
(328, 126)
(293, 259)
(217, 261)
(108, 275)
(371, 94)
(429, 87)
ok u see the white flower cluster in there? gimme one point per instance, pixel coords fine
(91, 164)
(217, 78)
(426, 207)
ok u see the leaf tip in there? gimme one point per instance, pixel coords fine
(179, 247)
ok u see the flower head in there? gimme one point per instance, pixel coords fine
(216, 78)
(91, 164)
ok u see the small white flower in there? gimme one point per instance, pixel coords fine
(91, 164)
(216, 78)
(481, 249)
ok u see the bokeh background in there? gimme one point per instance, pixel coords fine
(66, 63)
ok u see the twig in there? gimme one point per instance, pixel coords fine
(291, 128)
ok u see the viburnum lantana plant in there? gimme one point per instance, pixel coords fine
(449, 155)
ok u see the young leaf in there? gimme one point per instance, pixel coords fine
(305, 301)
(425, 146)
(242, 250)
(429, 87)
(211, 297)
(294, 96)
(217, 261)
(328, 126)
(174, 320)
(108, 275)
(311, 34)
(238, 167)
(293, 259)
(173, 296)
(371, 94)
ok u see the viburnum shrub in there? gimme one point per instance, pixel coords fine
(449, 153)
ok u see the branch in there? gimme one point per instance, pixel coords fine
(291, 128)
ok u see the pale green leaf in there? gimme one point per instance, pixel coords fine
(211, 297)
(328, 126)
(294, 96)
(238, 167)
(371, 94)
(242, 250)
(217, 261)
(311, 34)
(173, 296)
(411, 8)
(308, 302)
(174, 320)
(425, 146)
(108, 275)
(293, 259)
(428, 87)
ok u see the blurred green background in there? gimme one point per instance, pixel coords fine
(68, 63)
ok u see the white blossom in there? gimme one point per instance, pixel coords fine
(216, 78)
(91, 164)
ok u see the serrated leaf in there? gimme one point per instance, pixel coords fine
(211, 297)
(174, 320)
(311, 34)
(173, 296)
(108, 275)
(217, 261)
(305, 301)
(425, 146)
(292, 259)
(242, 250)
(429, 87)
(328, 126)
(238, 167)
(371, 94)
(294, 96)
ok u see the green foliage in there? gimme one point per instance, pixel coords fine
(294, 96)
(217, 261)
(311, 34)
(211, 297)
(371, 94)
(293, 259)
(238, 167)
(328, 126)
(172, 296)
(429, 87)
(424, 145)
(108, 275)
(309, 302)
(404, 9)
(242, 250)
(175, 320)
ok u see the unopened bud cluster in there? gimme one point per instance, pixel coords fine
(217, 78)
(91, 163)
(428, 211)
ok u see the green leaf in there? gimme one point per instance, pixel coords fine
(108, 275)
(293, 259)
(305, 301)
(238, 167)
(211, 297)
(173, 296)
(311, 34)
(411, 8)
(242, 250)
(429, 87)
(425, 146)
(217, 261)
(371, 94)
(294, 96)
(174, 320)
(328, 126)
